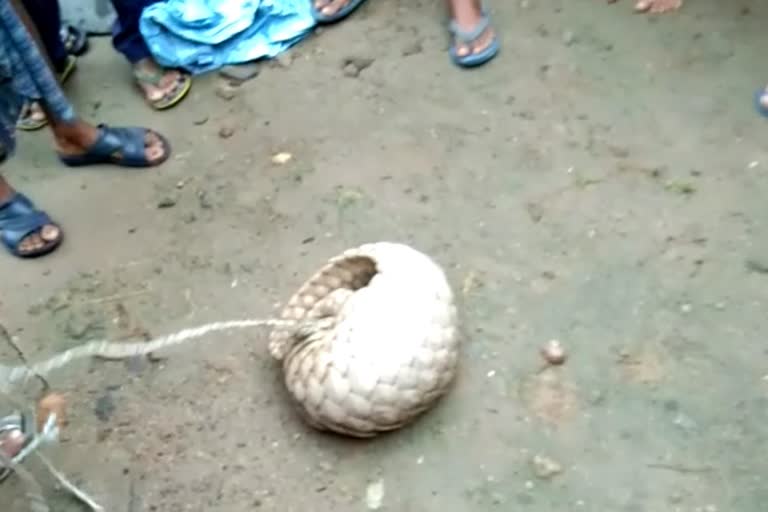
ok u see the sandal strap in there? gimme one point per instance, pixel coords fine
(129, 142)
(18, 219)
(470, 36)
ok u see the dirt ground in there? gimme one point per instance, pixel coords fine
(602, 183)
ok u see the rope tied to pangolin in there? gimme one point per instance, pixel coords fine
(12, 375)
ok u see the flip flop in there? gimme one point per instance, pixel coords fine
(75, 40)
(124, 147)
(469, 38)
(28, 124)
(171, 99)
(18, 219)
(761, 109)
(338, 16)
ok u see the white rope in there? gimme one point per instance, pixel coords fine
(11, 375)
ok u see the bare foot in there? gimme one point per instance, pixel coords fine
(657, 6)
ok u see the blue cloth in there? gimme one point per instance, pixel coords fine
(204, 35)
(24, 74)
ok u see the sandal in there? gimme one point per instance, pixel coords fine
(172, 98)
(26, 122)
(124, 147)
(19, 219)
(75, 40)
(12, 428)
(338, 16)
(469, 38)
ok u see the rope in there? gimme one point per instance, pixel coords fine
(11, 375)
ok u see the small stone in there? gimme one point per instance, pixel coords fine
(240, 72)
(284, 60)
(282, 158)
(203, 200)
(166, 202)
(226, 132)
(554, 353)
(226, 92)
(412, 48)
(200, 121)
(544, 467)
(569, 38)
(374, 495)
(351, 71)
(353, 66)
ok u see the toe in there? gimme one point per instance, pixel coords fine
(31, 244)
(643, 5)
(50, 233)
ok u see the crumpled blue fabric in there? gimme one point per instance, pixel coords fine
(204, 35)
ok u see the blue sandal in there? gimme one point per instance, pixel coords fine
(338, 16)
(19, 219)
(119, 146)
(469, 38)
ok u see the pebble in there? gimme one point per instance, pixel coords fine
(284, 60)
(200, 121)
(544, 467)
(240, 72)
(554, 353)
(569, 38)
(353, 66)
(351, 71)
(226, 132)
(374, 495)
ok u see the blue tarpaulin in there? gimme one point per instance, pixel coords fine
(204, 35)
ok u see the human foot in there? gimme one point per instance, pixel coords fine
(658, 6)
(12, 440)
(80, 144)
(32, 116)
(329, 11)
(162, 88)
(24, 230)
(475, 41)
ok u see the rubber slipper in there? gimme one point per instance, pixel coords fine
(75, 40)
(171, 99)
(759, 96)
(14, 424)
(26, 123)
(469, 38)
(19, 219)
(124, 147)
(338, 15)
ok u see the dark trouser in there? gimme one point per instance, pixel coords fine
(126, 37)
(47, 18)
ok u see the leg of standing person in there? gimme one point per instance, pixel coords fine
(46, 16)
(25, 74)
(475, 41)
(162, 88)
